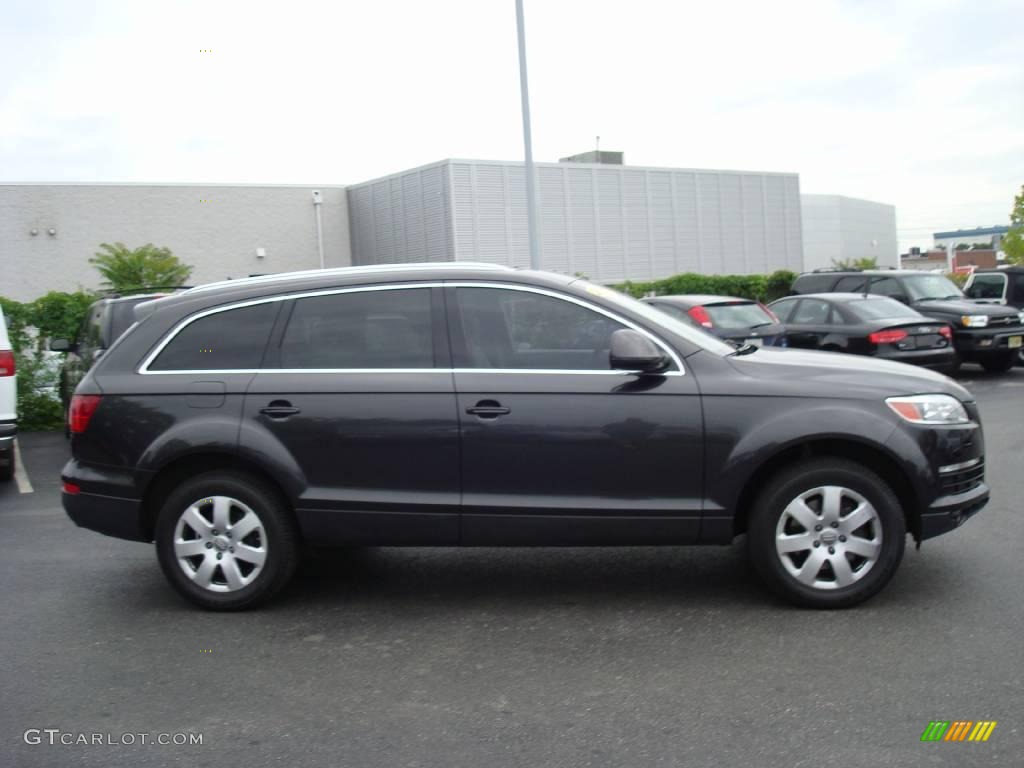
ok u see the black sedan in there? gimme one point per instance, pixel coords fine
(738, 320)
(865, 324)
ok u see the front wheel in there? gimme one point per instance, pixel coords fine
(999, 363)
(226, 541)
(826, 534)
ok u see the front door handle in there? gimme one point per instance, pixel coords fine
(280, 409)
(488, 409)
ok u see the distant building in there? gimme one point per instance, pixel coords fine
(839, 229)
(990, 236)
(609, 222)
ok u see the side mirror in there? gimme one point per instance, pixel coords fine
(632, 351)
(60, 345)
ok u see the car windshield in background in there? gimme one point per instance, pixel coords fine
(875, 309)
(925, 287)
(736, 315)
(658, 318)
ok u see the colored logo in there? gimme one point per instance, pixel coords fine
(958, 730)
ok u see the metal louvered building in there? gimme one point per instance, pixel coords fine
(610, 222)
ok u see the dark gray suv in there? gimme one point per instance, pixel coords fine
(461, 404)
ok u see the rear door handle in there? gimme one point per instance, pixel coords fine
(280, 409)
(488, 409)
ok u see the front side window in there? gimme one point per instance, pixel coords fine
(360, 329)
(851, 284)
(887, 286)
(988, 286)
(230, 340)
(504, 328)
(783, 309)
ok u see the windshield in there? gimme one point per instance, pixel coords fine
(737, 315)
(924, 287)
(658, 318)
(874, 309)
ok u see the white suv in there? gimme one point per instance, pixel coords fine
(8, 400)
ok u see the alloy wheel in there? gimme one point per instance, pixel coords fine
(220, 544)
(828, 537)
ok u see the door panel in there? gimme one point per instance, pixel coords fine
(352, 404)
(582, 456)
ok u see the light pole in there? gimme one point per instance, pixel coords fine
(531, 181)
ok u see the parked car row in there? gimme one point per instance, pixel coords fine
(464, 404)
(906, 316)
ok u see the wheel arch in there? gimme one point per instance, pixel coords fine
(192, 464)
(870, 455)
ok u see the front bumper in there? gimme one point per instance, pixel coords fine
(949, 512)
(985, 341)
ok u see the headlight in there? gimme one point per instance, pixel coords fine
(929, 409)
(974, 321)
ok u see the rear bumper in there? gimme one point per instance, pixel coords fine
(106, 514)
(8, 431)
(939, 359)
(950, 512)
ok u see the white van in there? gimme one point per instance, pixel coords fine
(8, 403)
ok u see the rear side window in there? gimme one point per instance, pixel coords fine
(851, 284)
(814, 283)
(229, 340)
(362, 329)
(811, 312)
(122, 315)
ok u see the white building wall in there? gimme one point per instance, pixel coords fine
(216, 229)
(838, 228)
(608, 222)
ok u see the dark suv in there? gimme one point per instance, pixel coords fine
(461, 404)
(104, 322)
(989, 335)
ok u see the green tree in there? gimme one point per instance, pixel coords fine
(1013, 243)
(865, 263)
(148, 266)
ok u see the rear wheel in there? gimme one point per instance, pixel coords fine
(999, 363)
(827, 534)
(226, 541)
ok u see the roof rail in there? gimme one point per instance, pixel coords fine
(837, 269)
(361, 270)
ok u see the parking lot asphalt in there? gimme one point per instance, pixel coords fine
(514, 657)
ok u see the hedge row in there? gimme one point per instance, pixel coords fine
(757, 287)
(30, 325)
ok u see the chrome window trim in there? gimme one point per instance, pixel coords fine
(143, 369)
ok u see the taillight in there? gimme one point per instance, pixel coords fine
(71, 488)
(82, 409)
(886, 337)
(700, 315)
(6, 362)
(946, 331)
(770, 313)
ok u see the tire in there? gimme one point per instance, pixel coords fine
(860, 491)
(7, 471)
(998, 363)
(954, 365)
(215, 576)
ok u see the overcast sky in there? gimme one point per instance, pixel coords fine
(915, 103)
